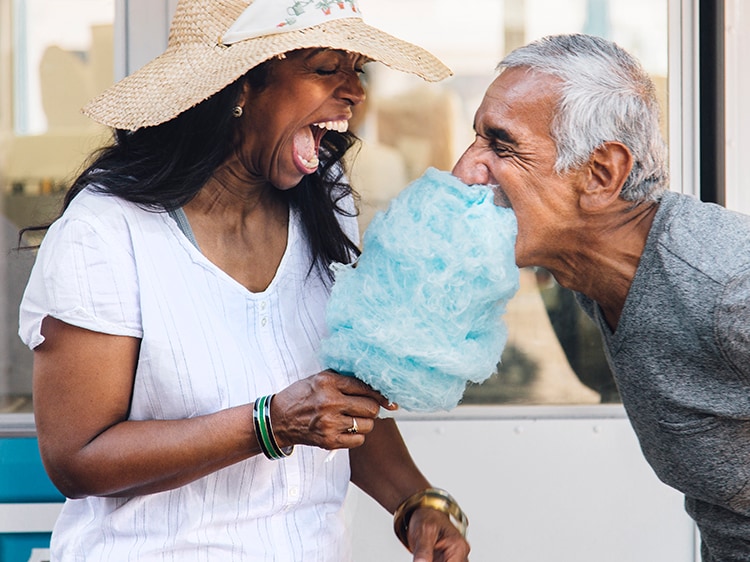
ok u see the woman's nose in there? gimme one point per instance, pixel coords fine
(470, 170)
(352, 90)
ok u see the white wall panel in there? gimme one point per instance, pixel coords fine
(539, 489)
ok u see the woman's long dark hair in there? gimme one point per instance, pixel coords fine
(162, 168)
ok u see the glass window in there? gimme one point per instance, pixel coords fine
(57, 54)
(554, 353)
(54, 56)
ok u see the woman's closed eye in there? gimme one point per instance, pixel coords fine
(332, 71)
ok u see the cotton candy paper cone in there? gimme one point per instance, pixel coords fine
(420, 315)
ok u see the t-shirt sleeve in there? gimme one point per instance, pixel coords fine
(733, 323)
(84, 275)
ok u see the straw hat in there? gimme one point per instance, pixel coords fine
(198, 62)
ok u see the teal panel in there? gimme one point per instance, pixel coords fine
(17, 547)
(22, 476)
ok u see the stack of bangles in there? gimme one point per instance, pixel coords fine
(264, 431)
(434, 498)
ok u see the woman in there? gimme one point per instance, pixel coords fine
(176, 306)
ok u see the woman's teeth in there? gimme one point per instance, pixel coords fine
(341, 126)
(312, 163)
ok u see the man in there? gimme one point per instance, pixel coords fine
(569, 133)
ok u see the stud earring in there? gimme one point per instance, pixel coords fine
(237, 111)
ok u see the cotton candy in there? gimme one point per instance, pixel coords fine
(421, 313)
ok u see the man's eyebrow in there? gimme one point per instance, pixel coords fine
(496, 133)
(500, 134)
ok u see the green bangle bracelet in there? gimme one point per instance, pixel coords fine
(264, 430)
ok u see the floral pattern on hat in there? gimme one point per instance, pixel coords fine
(326, 6)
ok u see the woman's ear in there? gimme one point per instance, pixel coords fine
(608, 168)
(244, 94)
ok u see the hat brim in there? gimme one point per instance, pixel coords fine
(185, 75)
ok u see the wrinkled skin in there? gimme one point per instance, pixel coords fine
(573, 223)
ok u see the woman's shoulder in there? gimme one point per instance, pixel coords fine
(96, 215)
(97, 207)
(95, 202)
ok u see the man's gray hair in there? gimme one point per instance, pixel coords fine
(605, 95)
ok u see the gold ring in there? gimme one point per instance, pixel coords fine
(354, 428)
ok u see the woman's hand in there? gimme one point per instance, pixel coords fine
(321, 410)
(433, 538)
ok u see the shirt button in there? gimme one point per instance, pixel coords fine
(293, 492)
(263, 305)
(263, 321)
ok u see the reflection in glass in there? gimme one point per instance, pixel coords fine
(554, 353)
(56, 55)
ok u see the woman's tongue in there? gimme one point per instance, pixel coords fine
(305, 151)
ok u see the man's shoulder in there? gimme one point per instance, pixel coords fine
(686, 212)
(704, 235)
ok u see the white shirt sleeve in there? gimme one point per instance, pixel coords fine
(84, 275)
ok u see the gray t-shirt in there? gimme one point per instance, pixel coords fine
(681, 358)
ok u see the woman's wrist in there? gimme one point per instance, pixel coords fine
(264, 430)
(432, 498)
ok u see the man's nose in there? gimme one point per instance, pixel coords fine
(470, 170)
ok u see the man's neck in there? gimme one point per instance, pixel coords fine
(602, 262)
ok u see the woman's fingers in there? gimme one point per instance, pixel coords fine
(326, 410)
(355, 387)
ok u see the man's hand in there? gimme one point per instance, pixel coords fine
(433, 538)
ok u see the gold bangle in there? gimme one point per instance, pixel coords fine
(434, 498)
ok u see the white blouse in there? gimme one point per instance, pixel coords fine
(207, 344)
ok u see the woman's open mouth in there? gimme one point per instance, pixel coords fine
(307, 143)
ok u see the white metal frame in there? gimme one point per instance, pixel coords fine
(6, 78)
(684, 122)
(737, 109)
(150, 25)
(28, 517)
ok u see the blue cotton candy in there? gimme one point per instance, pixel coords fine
(421, 313)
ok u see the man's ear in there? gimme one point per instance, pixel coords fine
(607, 170)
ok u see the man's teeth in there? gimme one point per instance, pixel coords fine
(341, 126)
(312, 163)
